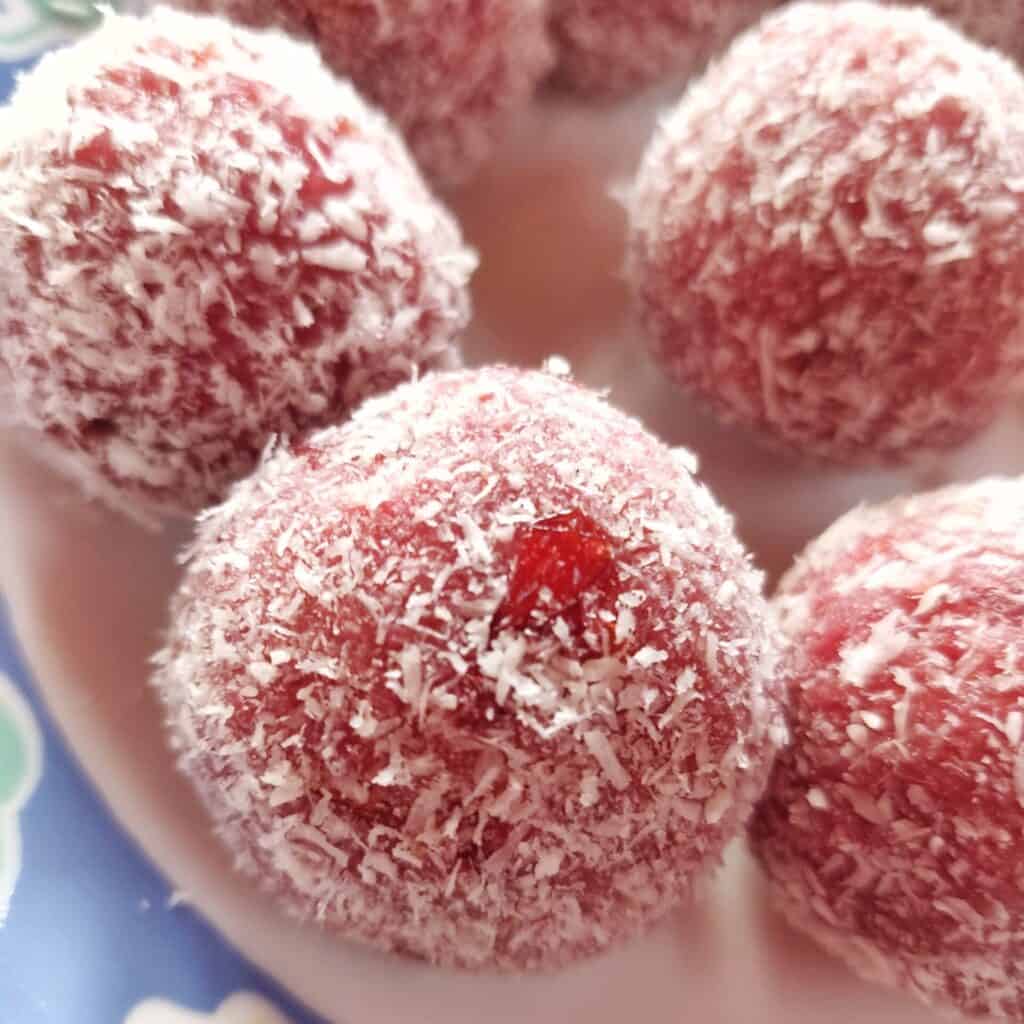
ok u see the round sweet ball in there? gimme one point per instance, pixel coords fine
(451, 74)
(893, 827)
(610, 48)
(461, 679)
(827, 240)
(205, 241)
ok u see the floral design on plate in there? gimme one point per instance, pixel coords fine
(29, 27)
(241, 1008)
(20, 767)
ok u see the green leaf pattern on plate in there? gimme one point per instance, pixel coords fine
(20, 767)
(28, 27)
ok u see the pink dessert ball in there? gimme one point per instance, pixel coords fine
(608, 48)
(206, 241)
(459, 679)
(450, 73)
(893, 827)
(827, 237)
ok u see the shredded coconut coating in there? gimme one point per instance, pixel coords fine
(450, 73)
(610, 48)
(392, 746)
(205, 240)
(827, 234)
(893, 827)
